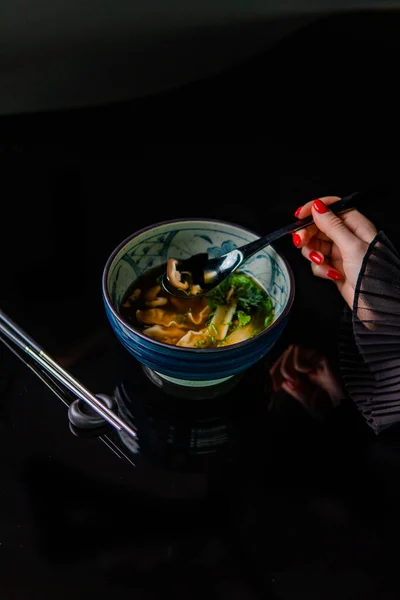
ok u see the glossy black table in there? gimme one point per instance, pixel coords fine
(276, 506)
(93, 504)
(220, 498)
(216, 497)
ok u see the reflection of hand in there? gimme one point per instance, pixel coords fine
(306, 376)
(336, 245)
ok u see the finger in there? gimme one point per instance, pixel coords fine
(302, 394)
(305, 211)
(275, 371)
(320, 245)
(288, 371)
(303, 236)
(324, 377)
(326, 271)
(362, 227)
(317, 250)
(295, 392)
(305, 360)
(358, 224)
(333, 226)
(322, 236)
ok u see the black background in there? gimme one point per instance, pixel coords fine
(315, 115)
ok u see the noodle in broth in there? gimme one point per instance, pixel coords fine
(235, 311)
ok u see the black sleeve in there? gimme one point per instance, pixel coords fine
(369, 341)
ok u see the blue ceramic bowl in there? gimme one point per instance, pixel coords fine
(180, 239)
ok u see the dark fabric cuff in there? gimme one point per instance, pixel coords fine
(369, 340)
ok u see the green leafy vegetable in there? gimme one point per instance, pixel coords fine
(256, 332)
(243, 318)
(217, 296)
(215, 330)
(200, 343)
(248, 295)
(268, 319)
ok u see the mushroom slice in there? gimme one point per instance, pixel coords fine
(174, 275)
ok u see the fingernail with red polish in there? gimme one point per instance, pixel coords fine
(296, 240)
(333, 274)
(290, 384)
(298, 211)
(315, 257)
(320, 207)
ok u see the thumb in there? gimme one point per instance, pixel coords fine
(332, 225)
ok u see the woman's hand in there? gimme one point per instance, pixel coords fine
(336, 244)
(306, 375)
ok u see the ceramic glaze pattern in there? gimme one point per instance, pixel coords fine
(181, 239)
(152, 250)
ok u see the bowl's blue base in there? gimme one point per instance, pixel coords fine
(195, 390)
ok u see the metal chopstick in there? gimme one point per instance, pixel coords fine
(14, 333)
(62, 394)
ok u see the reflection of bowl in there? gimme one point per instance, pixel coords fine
(180, 239)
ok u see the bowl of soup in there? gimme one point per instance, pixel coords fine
(203, 340)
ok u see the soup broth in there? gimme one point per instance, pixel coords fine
(236, 310)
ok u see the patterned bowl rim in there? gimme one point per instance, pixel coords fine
(243, 344)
